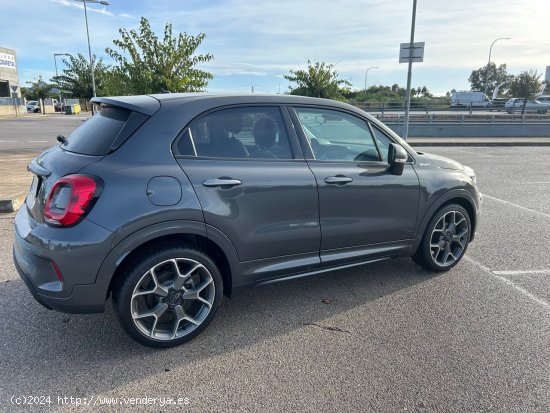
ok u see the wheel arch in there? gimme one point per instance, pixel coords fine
(190, 233)
(460, 197)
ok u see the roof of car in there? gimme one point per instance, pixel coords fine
(149, 104)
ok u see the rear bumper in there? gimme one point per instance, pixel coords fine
(40, 253)
(83, 299)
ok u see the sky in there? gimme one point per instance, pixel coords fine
(255, 43)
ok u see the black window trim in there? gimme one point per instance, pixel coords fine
(410, 159)
(297, 154)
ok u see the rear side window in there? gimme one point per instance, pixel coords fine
(243, 133)
(98, 134)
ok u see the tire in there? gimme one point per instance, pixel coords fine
(445, 240)
(168, 295)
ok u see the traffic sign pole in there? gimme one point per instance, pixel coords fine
(409, 75)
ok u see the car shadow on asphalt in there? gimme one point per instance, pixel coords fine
(93, 354)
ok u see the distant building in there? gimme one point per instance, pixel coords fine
(8, 73)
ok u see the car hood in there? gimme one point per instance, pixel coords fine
(443, 162)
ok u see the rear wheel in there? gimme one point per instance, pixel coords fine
(169, 296)
(445, 240)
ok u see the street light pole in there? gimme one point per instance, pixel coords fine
(105, 3)
(366, 73)
(489, 62)
(89, 49)
(56, 75)
(409, 75)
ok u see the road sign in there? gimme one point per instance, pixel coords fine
(416, 52)
(14, 88)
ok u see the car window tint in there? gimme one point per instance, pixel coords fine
(247, 132)
(96, 135)
(337, 136)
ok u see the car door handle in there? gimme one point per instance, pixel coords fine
(338, 180)
(221, 182)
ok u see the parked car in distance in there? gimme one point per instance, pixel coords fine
(498, 104)
(516, 105)
(33, 106)
(467, 99)
(544, 99)
(168, 202)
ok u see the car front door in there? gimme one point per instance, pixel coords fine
(253, 183)
(365, 211)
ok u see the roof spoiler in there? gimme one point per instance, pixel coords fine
(147, 105)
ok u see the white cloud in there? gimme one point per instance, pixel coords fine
(80, 5)
(264, 40)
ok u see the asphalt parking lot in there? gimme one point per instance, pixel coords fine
(389, 337)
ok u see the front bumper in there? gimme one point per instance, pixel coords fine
(41, 252)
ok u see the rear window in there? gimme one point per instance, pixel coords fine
(97, 134)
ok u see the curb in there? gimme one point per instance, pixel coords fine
(442, 143)
(7, 205)
(10, 205)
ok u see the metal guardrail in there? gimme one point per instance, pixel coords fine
(428, 107)
(464, 118)
(392, 112)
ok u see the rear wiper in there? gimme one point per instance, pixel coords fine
(61, 138)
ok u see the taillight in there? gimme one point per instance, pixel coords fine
(70, 199)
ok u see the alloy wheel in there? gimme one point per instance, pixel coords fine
(172, 299)
(449, 238)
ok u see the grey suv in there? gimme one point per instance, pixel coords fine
(168, 202)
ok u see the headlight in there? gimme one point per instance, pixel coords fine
(471, 173)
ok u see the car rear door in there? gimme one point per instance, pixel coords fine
(365, 210)
(252, 181)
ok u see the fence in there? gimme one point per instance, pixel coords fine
(12, 106)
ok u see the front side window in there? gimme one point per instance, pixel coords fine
(247, 132)
(382, 141)
(337, 136)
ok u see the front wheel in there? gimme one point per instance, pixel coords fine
(445, 240)
(168, 296)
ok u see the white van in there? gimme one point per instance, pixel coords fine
(474, 99)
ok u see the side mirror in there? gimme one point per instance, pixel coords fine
(397, 156)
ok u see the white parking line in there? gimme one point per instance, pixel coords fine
(521, 272)
(36, 141)
(8, 141)
(510, 283)
(516, 205)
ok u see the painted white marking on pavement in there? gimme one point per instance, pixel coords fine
(510, 283)
(8, 141)
(36, 141)
(521, 272)
(516, 205)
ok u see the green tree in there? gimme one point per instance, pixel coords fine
(38, 89)
(489, 75)
(76, 79)
(114, 83)
(525, 86)
(149, 65)
(319, 80)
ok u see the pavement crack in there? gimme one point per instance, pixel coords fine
(329, 328)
